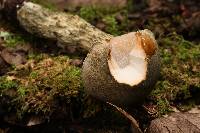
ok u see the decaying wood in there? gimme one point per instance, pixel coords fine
(67, 29)
(176, 123)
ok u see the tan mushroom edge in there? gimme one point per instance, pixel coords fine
(129, 54)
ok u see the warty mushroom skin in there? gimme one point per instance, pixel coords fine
(124, 70)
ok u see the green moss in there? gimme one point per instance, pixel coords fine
(49, 85)
(186, 105)
(163, 106)
(33, 75)
(21, 91)
(185, 49)
(45, 3)
(111, 25)
(88, 13)
(130, 6)
(36, 56)
(11, 40)
(180, 73)
(50, 79)
(106, 16)
(39, 88)
(7, 84)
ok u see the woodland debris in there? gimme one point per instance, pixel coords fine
(3, 66)
(65, 4)
(13, 57)
(176, 123)
(65, 28)
(134, 124)
(105, 3)
(35, 120)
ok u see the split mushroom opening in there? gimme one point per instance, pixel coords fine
(129, 53)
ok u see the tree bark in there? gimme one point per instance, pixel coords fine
(176, 123)
(67, 29)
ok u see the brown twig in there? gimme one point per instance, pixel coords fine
(134, 124)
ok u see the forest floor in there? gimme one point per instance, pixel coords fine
(35, 98)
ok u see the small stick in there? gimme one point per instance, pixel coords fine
(136, 128)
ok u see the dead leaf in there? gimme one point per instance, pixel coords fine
(176, 122)
(35, 120)
(134, 125)
(23, 47)
(13, 57)
(101, 25)
(194, 21)
(195, 110)
(118, 3)
(76, 62)
(3, 66)
(155, 5)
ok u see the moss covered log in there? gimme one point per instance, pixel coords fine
(67, 29)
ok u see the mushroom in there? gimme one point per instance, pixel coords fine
(123, 70)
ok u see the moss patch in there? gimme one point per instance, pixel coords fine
(108, 18)
(41, 85)
(10, 39)
(180, 74)
(45, 3)
(52, 87)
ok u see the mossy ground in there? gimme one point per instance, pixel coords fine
(49, 86)
(38, 84)
(180, 81)
(179, 84)
(48, 82)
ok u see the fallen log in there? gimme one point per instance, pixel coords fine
(176, 123)
(67, 29)
(121, 70)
